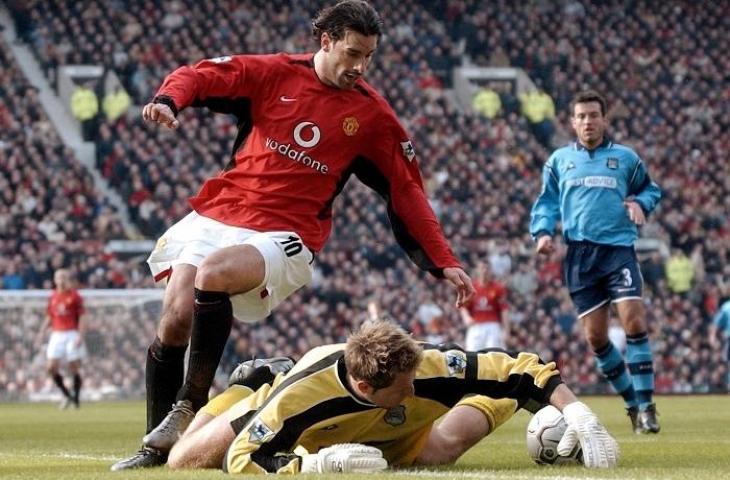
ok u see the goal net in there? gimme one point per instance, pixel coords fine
(120, 325)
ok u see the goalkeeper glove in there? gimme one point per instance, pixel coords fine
(345, 458)
(600, 450)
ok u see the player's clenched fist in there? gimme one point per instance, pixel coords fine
(160, 113)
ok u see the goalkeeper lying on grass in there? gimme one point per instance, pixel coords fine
(372, 402)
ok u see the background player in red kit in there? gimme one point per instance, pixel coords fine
(486, 315)
(66, 344)
(307, 123)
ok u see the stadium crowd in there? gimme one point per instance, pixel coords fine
(664, 75)
(51, 214)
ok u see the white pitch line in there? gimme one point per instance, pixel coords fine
(66, 455)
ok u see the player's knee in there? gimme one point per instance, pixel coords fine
(212, 276)
(634, 323)
(596, 339)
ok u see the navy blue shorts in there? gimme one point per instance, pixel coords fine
(598, 274)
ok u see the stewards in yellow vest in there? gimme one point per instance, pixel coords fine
(85, 107)
(116, 103)
(680, 272)
(487, 102)
(539, 109)
(537, 106)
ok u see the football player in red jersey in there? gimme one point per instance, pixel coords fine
(64, 314)
(307, 123)
(486, 316)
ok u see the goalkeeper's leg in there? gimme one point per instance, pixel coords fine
(464, 426)
(206, 440)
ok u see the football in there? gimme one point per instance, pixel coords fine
(544, 432)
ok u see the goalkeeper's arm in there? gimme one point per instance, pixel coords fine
(345, 458)
(339, 458)
(600, 449)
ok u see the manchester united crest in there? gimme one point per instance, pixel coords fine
(350, 126)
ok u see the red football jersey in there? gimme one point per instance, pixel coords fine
(303, 141)
(488, 303)
(65, 309)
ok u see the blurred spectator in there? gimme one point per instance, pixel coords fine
(11, 279)
(115, 104)
(429, 313)
(487, 102)
(680, 272)
(539, 109)
(85, 108)
(565, 317)
(652, 269)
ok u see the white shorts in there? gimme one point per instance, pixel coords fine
(63, 346)
(484, 335)
(288, 261)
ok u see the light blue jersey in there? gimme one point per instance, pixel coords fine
(722, 320)
(586, 190)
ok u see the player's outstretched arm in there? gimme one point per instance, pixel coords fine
(160, 113)
(464, 288)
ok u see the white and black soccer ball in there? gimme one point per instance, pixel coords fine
(544, 432)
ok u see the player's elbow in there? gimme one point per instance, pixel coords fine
(442, 449)
(450, 454)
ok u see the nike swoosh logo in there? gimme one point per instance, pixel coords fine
(284, 98)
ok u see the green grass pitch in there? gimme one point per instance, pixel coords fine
(37, 441)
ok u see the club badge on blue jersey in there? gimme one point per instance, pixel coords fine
(612, 163)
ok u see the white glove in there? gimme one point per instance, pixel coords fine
(345, 458)
(600, 450)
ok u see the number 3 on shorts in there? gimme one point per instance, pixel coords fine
(292, 245)
(627, 277)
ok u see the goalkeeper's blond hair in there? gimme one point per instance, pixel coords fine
(379, 351)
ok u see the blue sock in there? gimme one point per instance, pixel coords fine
(639, 360)
(613, 368)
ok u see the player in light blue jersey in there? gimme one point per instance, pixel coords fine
(721, 323)
(601, 192)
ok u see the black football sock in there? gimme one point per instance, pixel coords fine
(211, 326)
(58, 380)
(77, 387)
(163, 376)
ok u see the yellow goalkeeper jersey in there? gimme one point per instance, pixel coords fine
(313, 406)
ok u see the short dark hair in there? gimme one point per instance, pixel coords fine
(357, 15)
(589, 96)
